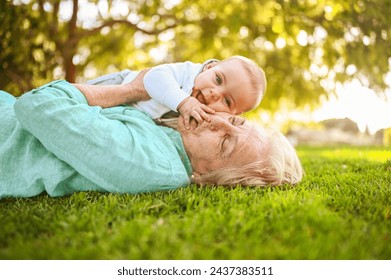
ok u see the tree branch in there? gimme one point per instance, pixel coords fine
(133, 26)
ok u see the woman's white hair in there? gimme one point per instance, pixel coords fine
(281, 165)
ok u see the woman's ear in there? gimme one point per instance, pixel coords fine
(209, 65)
(196, 178)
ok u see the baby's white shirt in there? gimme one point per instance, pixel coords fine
(167, 85)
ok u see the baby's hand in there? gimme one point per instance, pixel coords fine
(191, 107)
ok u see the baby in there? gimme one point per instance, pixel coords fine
(233, 85)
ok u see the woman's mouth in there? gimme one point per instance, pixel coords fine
(192, 123)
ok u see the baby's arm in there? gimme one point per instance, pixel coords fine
(164, 84)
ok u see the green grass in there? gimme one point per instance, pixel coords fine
(341, 210)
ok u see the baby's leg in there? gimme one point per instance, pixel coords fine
(110, 79)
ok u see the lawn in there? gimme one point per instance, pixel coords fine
(341, 210)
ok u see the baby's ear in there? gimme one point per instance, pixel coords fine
(209, 65)
(196, 178)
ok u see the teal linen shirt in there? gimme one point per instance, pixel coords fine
(52, 140)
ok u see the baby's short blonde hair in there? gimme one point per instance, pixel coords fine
(256, 75)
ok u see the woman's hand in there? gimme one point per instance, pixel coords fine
(107, 96)
(135, 90)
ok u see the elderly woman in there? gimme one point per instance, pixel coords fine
(52, 140)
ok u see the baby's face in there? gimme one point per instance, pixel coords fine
(225, 87)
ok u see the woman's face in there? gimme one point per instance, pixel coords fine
(226, 141)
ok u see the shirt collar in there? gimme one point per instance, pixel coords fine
(176, 138)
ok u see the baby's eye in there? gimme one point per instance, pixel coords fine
(227, 101)
(218, 80)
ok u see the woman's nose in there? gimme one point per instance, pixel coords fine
(219, 122)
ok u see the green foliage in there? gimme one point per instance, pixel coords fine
(304, 46)
(340, 211)
(22, 55)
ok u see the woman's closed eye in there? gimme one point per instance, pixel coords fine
(224, 145)
(227, 146)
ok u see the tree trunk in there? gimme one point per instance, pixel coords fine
(70, 68)
(71, 45)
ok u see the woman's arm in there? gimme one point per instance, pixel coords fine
(120, 150)
(107, 96)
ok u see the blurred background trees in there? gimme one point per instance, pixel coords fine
(305, 46)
